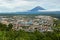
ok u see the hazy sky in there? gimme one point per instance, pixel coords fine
(24, 5)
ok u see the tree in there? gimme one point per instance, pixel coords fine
(10, 26)
(3, 27)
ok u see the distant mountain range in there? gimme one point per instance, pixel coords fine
(36, 10)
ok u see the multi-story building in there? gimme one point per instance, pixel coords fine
(41, 23)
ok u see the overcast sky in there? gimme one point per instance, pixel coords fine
(24, 5)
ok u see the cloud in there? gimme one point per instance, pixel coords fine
(24, 5)
(16, 5)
